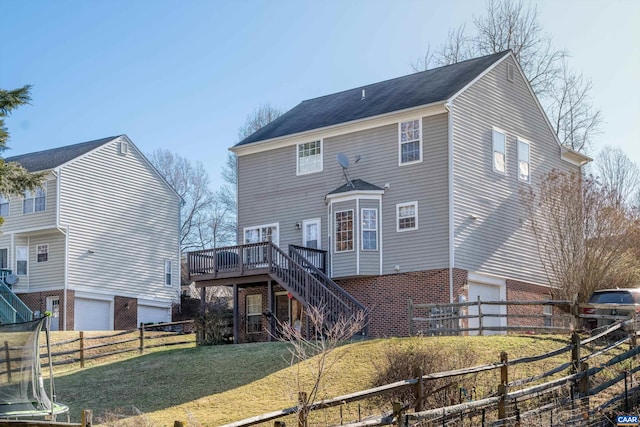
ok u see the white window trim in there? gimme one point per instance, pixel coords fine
(400, 162)
(247, 313)
(353, 232)
(38, 251)
(493, 150)
(400, 205)
(528, 144)
(316, 221)
(123, 148)
(298, 172)
(275, 225)
(362, 230)
(168, 270)
(32, 198)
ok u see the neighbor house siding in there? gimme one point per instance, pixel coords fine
(19, 222)
(49, 274)
(124, 252)
(491, 228)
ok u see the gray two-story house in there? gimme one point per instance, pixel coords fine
(403, 189)
(98, 244)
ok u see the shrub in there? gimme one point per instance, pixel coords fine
(400, 362)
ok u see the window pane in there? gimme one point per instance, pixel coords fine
(499, 151)
(309, 157)
(344, 231)
(407, 217)
(4, 258)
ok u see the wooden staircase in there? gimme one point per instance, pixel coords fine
(297, 272)
(12, 309)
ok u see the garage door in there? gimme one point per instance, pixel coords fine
(486, 293)
(92, 315)
(151, 314)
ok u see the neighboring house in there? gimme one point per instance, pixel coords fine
(410, 189)
(98, 244)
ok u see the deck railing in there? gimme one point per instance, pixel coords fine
(301, 277)
(12, 309)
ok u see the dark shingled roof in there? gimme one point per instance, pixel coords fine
(356, 185)
(50, 159)
(413, 90)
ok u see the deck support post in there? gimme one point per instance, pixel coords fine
(236, 326)
(271, 309)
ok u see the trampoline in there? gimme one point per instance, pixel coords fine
(22, 390)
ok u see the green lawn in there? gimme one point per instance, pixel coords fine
(210, 386)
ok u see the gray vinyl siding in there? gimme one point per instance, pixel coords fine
(17, 221)
(117, 207)
(270, 192)
(499, 241)
(369, 259)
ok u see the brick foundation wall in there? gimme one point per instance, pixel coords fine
(387, 297)
(37, 301)
(522, 291)
(125, 313)
(243, 336)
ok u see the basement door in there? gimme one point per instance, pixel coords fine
(287, 310)
(485, 292)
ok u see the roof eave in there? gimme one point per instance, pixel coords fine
(574, 157)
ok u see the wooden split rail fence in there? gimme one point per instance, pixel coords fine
(514, 399)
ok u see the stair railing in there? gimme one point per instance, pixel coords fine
(23, 313)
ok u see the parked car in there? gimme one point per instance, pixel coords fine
(612, 305)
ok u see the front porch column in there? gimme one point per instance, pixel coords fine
(271, 309)
(236, 310)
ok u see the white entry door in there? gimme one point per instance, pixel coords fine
(53, 307)
(486, 292)
(311, 233)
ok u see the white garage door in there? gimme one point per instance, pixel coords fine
(151, 314)
(486, 293)
(92, 315)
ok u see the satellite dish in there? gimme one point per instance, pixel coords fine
(343, 160)
(10, 279)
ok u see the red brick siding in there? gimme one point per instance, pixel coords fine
(522, 291)
(37, 301)
(125, 314)
(387, 297)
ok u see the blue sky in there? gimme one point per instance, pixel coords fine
(184, 74)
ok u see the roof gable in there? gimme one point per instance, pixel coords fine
(413, 90)
(52, 158)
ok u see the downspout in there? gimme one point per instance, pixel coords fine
(449, 107)
(64, 230)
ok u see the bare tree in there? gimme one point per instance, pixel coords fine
(569, 107)
(313, 357)
(201, 225)
(226, 196)
(618, 174)
(565, 95)
(585, 241)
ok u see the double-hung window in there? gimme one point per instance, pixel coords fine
(4, 258)
(22, 260)
(4, 207)
(524, 173)
(42, 253)
(369, 229)
(254, 313)
(309, 157)
(407, 216)
(167, 272)
(344, 231)
(499, 151)
(34, 201)
(410, 141)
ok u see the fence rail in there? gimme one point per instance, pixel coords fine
(563, 391)
(86, 346)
